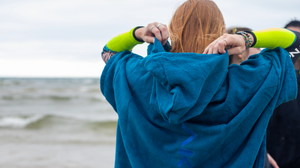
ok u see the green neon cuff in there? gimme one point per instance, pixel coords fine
(123, 42)
(274, 37)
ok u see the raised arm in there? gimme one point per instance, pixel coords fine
(274, 37)
(279, 37)
(123, 42)
(138, 35)
(268, 38)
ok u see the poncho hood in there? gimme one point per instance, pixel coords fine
(180, 81)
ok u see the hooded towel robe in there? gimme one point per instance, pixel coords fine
(192, 110)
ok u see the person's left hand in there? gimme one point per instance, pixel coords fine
(152, 30)
(235, 44)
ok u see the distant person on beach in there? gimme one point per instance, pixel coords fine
(183, 105)
(283, 135)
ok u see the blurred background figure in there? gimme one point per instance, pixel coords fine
(293, 25)
(283, 134)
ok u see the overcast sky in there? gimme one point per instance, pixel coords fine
(64, 38)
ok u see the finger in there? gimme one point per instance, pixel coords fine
(156, 33)
(227, 44)
(207, 49)
(235, 51)
(164, 32)
(218, 46)
(149, 26)
(221, 46)
(215, 49)
(210, 49)
(164, 42)
(152, 28)
(212, 46)
(148, 34)
(149, 39)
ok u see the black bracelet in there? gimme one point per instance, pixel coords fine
(139, 40)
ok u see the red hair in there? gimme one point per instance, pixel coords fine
(194, 25)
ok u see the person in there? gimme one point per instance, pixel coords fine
(182, 105)
(283, 133)
(293, 25)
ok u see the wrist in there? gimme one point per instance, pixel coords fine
(252, 35)
(247, 37)
(137, 33)
(124, 42)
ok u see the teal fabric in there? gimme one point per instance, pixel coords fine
(192, 110)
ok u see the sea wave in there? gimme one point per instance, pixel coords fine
(48, 120)
(56, 89)
(52, 97)
(19, 121)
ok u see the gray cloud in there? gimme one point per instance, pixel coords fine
(76, 30)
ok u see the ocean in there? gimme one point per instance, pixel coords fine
(55, 123)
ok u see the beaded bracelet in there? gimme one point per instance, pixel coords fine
(247, 37)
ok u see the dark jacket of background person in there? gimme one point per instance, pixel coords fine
(283, 142)
(283, 133)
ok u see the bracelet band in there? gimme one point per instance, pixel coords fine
(254, 38)
(247, 37)
(133, 33)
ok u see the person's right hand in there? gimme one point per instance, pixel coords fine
(152, 30)
(272, 161)
(235, 44)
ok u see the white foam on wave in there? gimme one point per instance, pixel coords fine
(24, 120)
(90, 118)
(18, 122)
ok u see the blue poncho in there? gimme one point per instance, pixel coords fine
(192, 110)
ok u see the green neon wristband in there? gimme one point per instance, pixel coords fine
(124, 42)
(274, 37)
